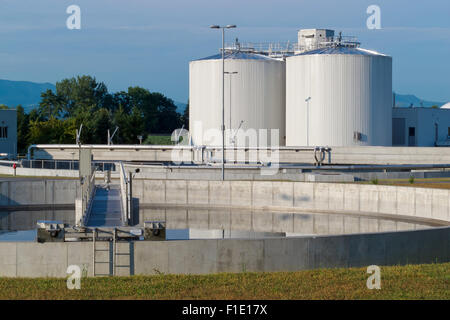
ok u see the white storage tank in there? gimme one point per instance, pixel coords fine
(254, 97)
(339, 96)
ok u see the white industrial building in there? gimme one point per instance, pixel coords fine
(254, 98)
(8, 133)
(338, 96)
(421, 127)
(323, 90)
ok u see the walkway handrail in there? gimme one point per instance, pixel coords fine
(124, 194)
(88, 190)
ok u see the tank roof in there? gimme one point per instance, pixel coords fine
(342, 50)
(238, 55)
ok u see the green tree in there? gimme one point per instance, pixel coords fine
(168, 117)
(52, 131)
(51, 105)
(100, 123)
(81, 94)
(142, 99)
(185, 117)
(22, 129)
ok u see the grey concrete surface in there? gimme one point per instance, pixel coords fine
(367, 200)
(34, 199)
(338, 155)
(33, 191)
(19, 259)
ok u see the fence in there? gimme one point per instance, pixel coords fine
(58, 164)
(124, 194)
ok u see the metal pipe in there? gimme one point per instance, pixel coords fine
(29, 150)
(223, 104)
(153, 147)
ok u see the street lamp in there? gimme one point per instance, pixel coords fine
(230, 26)
(230, 74)
(307, 120)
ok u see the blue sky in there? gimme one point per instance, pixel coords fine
(150, 43)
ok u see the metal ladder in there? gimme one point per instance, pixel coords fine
(118, 254)
(94, 255)
(112, 256)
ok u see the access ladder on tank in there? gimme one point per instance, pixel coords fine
(115, 255)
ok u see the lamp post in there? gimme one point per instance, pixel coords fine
(230, 74)
(307, 120)
(230, 26)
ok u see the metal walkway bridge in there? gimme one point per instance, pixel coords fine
(105, 205)
(106, 208)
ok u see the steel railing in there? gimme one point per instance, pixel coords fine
(87, 194)
(124, 194)
(57, 164)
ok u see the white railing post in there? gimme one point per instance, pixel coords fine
(124, 193)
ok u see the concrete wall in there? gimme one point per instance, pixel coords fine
(20, 259)
(367, 200)
(32, 192)
(34, 200)
(339, 155)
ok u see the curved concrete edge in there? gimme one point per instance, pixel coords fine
(21, 259)
(364, 199)
(400, 218)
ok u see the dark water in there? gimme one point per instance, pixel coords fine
(26, 220)
(177, 234)
(22, 235)
(30, 235)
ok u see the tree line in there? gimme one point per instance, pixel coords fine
(83, 100)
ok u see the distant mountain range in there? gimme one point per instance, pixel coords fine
(406, 100)
(25, 93)
(28, 94)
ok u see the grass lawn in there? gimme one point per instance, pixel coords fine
(440, 183)
(430, 281)
(159, 140)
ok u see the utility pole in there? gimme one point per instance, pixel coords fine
(223, 92)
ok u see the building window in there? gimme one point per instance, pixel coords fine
(3, 132)
(412, 136)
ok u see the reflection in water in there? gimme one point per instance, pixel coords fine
(23, 235)
(179, 220)
(293, 224)
(26, 220)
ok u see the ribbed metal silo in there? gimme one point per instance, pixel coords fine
(339, 96)
(256, 93)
